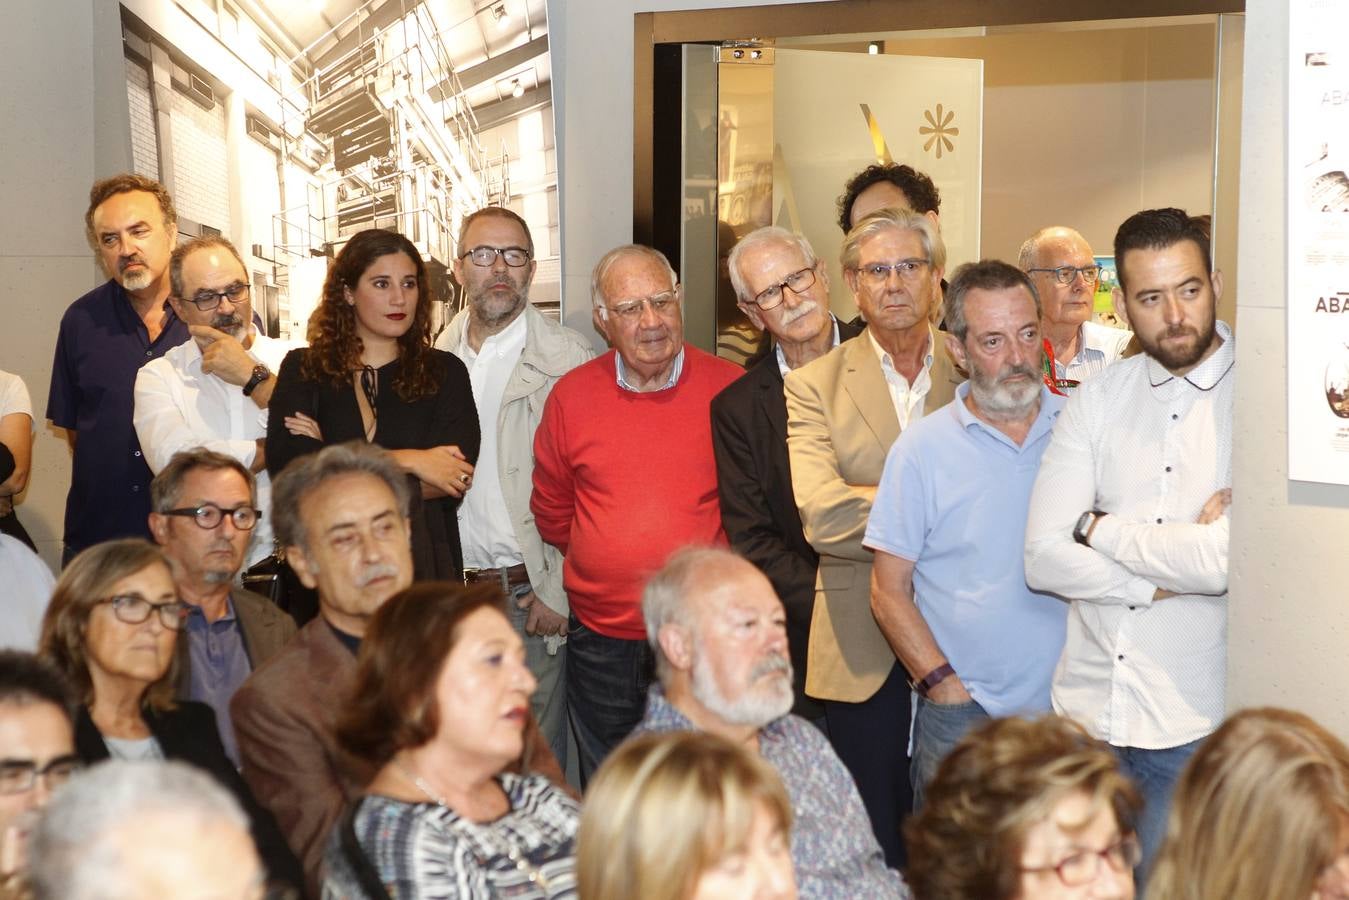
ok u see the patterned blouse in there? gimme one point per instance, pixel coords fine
(423, 850)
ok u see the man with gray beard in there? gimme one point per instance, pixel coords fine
(948, 588)
(212, 391)
(720, 641)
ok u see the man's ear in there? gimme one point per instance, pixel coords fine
(753, 313)
(1117, 297)
(1217, 278)
(936, 219)
(675, 644)
(177, 306)
(957, 351)
(159, 527)
(601, 324)
(306, 571)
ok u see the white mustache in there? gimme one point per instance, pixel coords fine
(376, 571)
(770, 666)
(804, 309)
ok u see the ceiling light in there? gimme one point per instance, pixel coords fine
(874, 48)
(502, 17)
(517, 89)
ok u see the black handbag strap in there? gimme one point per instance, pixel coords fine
(360, 864)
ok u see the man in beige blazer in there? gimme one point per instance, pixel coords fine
(844, 410)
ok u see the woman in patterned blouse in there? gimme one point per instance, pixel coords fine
(438, 709)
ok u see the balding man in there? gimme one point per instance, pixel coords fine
(1064, 272)
(719, 635)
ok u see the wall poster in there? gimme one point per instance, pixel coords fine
(1318, 242)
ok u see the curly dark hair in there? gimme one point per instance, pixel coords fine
(334, 347)
(922, 193)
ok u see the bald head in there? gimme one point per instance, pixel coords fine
(1065, 305)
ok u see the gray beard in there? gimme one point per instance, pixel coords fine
(492, 315)
(753, 709)
(998, 400)
(217, 576)
(137, 281)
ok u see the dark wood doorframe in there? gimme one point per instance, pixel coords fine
(844, 17)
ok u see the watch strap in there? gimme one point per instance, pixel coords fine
(932, 679)
(260, 374)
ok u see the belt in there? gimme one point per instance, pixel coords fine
(507, 578)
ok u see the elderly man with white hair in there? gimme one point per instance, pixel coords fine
(719, 636)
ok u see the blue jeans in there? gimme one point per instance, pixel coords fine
(607, 680)
(937, 728)
(549, 702)
(1154, 773)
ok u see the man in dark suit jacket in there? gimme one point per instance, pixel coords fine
(783, 288)
(204, 512)
(341, 514)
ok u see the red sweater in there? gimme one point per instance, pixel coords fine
(622, 480)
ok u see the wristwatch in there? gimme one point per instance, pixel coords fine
(1084, 524)
(932, 679)
(260, 374)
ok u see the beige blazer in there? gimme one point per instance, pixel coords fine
(840, 425)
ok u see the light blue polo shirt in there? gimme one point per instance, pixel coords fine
(953, 498)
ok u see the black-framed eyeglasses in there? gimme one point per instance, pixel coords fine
(879, 273)
(133, 609)
(209, 516)
(662, 304)
(799, 281)
(205, 301)
(1066, 274)
(19, 776)
(515, 257)
(1083, 867)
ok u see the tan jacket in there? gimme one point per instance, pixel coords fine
(840, 425)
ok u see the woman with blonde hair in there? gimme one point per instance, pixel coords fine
(685, 816)
(1261, 812)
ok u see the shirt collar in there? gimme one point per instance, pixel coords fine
(675, 371)
(508, 341)
(195, 615)
(782, 360)
(1207, 374)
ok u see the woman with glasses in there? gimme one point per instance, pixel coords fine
(1261, 812)
(371, 374)
(1025, 810)
(111, 628)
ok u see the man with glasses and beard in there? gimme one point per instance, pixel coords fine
(514, 356)
(212, 391)
(948, 526)
(1129, 517)
(720, 641)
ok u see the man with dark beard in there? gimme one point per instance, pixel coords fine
(212, 391)
(719, 635)
(1129, 517)
(514, 356)
(948, 526)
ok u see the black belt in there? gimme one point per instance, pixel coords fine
(507, 578)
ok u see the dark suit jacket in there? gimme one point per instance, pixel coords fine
(188, 733)
(266, 629)
(285, 718)
(758, 509)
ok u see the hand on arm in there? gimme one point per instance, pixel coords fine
(1180, 558)
(904, 627)
(443, 471)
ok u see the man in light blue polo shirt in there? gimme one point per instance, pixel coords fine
(948, 526)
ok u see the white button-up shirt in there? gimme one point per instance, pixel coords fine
(1149, 449)
(485, 529)
(1097, 347)
(178, 407)
(907, 398)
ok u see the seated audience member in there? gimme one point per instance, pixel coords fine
(212, 391)
(28, 587)
(720, 638)
(1025, 809)
(205, 509)
(1260, 813)
(37, 753)
(16, 452)
(685, 816)
(111, 628)
(144, 831)
(438, 709)
(341, 514)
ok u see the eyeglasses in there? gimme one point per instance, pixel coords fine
(877, 274)
(19, 776)
(515, 257)
(1083, 868)
(205, 301)
(209, 516)
(798, 281)
(1066, 274)
(133, 609)
(662, 304)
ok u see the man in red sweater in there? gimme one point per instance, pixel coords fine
(623, 477)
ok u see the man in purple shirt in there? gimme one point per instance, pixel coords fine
(105, 337)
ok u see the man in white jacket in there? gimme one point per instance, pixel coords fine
(514, 356)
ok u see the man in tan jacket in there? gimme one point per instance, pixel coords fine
(844, 411)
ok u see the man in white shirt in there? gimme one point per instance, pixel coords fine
(514, 356)
(1061, 264)
(213, 390)
(1128, 518)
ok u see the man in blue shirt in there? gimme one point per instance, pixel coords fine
(948, 526)
(105, 337)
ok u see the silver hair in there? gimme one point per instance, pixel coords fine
(899, 219)
(769, 234)
(308, 473)
(1030, 248)
(665, 598)
(607, 262)
(76, 851)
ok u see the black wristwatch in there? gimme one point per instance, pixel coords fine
(260, 374)
(1084, 524)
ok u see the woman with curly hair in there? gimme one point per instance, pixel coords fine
(371, 374)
